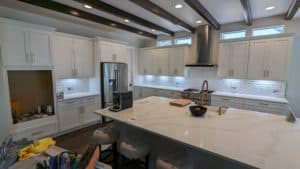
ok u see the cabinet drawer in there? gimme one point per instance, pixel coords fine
(264, 106)
(228, 100)
(90, 100)
(37, 132)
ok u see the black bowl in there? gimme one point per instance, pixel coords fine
(198, 110)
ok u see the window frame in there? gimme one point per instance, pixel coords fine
(161, 40)
(183, 38)
(222, 34)
(283, 26)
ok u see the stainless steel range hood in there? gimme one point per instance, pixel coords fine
(204, 44)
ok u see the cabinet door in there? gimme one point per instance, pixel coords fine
(90, 104)
(107, 52)
(120, 53)
(277, 59)
(69, 111)
(137, 92)
(161, 61)
(149, 65)
(257, 59)
(239, 59)
(224, 69)
(147, 92)
(84, 57)
(177, 61)
(142, 62)
(40, 47)
(63, 56)
(14, 47)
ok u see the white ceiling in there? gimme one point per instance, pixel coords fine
(225, 11)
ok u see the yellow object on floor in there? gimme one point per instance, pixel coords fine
(36, 148)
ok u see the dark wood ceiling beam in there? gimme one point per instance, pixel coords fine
(99, 5)
(202, 11)
(157, 10)
(247, 11)
(55, 6)
(295, 5)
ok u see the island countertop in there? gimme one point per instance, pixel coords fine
(256, 139)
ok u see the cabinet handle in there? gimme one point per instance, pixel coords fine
(159, 70)
(175, 71)
(114, 57)
(145, 71)
(264, 104)
(266, 73)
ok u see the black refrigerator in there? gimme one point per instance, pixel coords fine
(114, 78)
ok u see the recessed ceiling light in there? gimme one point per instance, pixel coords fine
(153, 30)
(88, 6)
(126, 20)
(198, 21)
(74, 13)
(113, 24)
(140, 32)
(270, 8)
(178, 6)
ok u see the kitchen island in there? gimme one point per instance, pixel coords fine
(254, 139)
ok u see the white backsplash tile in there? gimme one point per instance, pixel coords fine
(71, 86)
(195, 76)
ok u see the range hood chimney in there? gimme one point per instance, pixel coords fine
(204, 48)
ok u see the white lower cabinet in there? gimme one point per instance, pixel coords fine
(227, 102)
(36, 129)
(249, 104)
(77, 112)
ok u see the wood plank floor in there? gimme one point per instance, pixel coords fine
(77, 141)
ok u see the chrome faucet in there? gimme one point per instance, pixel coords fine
(204, 92)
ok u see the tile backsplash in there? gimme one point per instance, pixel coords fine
(195, 76)
(71, 86)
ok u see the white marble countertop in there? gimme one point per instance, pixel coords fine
(78, 95)
(256, 139)
(161, 87)
(254, 97)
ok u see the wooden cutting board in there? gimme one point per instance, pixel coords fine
(180, 102)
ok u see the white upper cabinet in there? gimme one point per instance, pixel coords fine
(73, 56)
(84, 60)
(25, 44)
(224, 57)
(277, 61)
(233, 59)
(63, 56)
(163, 61)
(112, 52)
(257, 59)
(14, 44)
(40, 47)
(177, 59)
(264, 59)
(160, 61)
(268, 59)
(239, 59)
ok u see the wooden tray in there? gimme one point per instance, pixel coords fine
(180, 102)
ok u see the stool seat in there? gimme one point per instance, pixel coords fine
(106, 135)
(134, 150)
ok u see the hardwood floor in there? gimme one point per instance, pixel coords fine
(77, 141)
